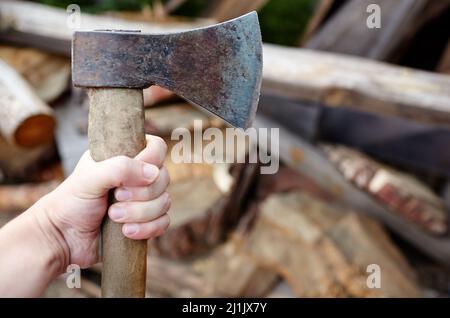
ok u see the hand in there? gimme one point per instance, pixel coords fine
(72, 213)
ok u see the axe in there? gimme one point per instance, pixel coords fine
(218, 68)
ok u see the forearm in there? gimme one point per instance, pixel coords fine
(32, 253)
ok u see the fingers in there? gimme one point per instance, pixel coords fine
(155, 151)
(155, 94)
(140, 212)
(116, 172)
(144, 231)
(98, 177)
(145, 193)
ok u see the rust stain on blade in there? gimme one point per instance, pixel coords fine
(218, 67)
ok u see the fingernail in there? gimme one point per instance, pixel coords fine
(122, 194)
(116, 212)
(129, 229)
(150, 172)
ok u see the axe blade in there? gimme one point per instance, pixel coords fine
(218, 67)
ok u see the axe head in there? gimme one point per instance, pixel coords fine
(217, 67)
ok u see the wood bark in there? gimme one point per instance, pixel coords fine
(400, 192)
(48, 74)
(116, 127)
(336, 81)
(25, 120)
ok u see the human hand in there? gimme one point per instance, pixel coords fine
(72, 213)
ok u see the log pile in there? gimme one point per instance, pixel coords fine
(328, 220)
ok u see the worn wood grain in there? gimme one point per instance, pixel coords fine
(116, 127)
(343, 81)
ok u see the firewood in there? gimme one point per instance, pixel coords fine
(313, 163)
(169, 278)
(19, 163)
(233, 273)
(336, 80)
(25, 120)
(48, 74)
(201, 214)
(347, 32)
(322, 10)
(166, 118)
(400, 192)
(289, 238)
(21, 197)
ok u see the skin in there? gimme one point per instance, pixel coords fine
(63, 227)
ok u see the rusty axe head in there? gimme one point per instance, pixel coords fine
(217, 67)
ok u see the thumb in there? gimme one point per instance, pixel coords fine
(94, 179)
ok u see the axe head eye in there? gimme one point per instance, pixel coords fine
(218, 67)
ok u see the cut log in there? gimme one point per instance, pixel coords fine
(201, 214)
(290, 238)
(233, 273)
(400, 192)
(337, 80)
(25, 120)
(322, 10)
(45, 27)
(166, 118)
(20, 197)
(48, 74)
(348, 30)
(19, 163)
(167, 278)
(316, 166)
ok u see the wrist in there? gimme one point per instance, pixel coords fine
(56, 253)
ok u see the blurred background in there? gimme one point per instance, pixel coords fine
(360, 92)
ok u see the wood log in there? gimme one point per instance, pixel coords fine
(400, 192)
(313, 164)
(201, 214)
(233, 273)
(20, 197)
(336, 80)
(20, 164)
(165, 118)
(46, 27)
(48, 74)
(322, 10)
(347, 31)
(25, 120)
(168, 278)
(290, 238)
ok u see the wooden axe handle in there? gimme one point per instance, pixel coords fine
(116, 127)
